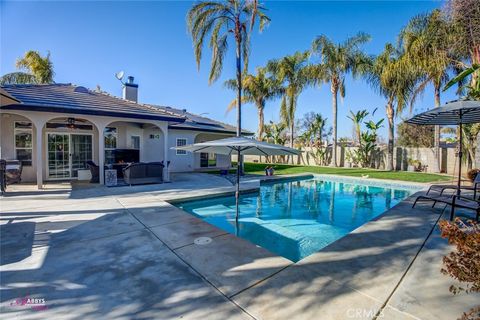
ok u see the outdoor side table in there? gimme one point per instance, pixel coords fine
(110, 177)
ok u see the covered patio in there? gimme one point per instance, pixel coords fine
(54, 130)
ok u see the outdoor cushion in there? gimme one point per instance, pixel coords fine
(143, 173)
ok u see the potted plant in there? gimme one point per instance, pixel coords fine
(413, 165)
(471, 174)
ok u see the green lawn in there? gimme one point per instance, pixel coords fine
(258, 168)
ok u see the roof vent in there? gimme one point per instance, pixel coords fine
(184, 110)
(80, 89)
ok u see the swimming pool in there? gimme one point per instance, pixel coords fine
(299, 217)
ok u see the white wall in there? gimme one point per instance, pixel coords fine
(7, 144)
(152, 149)
(185, 162)
(191, 161)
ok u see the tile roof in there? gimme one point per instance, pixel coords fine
(68, 98)
(199, 123)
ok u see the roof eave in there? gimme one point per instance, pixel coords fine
(56, 109)
(174, 127)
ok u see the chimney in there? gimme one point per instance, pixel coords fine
(130, 90)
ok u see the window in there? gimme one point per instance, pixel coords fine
(208, 160)
(135, 142)
(110, 136)
(180, 143)
(23, 142)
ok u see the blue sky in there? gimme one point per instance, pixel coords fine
(90, 41)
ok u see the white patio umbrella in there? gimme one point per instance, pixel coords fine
(239, 146)
(457, 112)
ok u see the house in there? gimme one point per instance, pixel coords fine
(54, 129)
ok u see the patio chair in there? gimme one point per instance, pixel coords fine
(454, 201)
(3, 177)
(13, 171)
(442, 187)
(94, 170)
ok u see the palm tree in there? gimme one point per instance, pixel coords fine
(222, 19)
(257, 89)
(318, 129)
(357, 119)
(336, 60)
(426, 42)
(35, 69)
(275, 133)
(473, 89)
(392, 78)
(291, 70)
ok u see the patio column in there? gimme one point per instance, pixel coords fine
(166, 172)
(39, 152)
(101, 153)
(164, 128)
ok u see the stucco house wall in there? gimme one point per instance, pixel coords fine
(151, 141)
(7, 144)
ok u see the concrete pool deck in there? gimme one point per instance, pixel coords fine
(122, 253)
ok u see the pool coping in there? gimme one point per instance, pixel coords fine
(382, 182)
(391, 216)
(291, 177)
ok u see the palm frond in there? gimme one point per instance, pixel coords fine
(18, 78)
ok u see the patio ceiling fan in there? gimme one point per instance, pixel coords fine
(71, 122)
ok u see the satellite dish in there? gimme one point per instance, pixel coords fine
(119, 75)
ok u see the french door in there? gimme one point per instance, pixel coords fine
(67, 153)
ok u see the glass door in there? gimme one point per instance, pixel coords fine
(68, 153)
(81, 152)
(58, 156)
(208, 160)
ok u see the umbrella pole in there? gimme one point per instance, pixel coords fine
(460, 154)
(237, 192)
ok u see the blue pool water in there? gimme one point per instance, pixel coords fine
(297, 218)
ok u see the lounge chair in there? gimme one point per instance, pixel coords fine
(454, 201)
(442, 187)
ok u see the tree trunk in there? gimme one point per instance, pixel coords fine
(437, 164)
(260, 123)
(293, 101)
(239, 93)
(391, 135)
(334, 125)
(358, 132)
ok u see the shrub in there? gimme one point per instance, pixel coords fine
(463, 264)
(471, 174)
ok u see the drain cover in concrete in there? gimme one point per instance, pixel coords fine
(202, 241)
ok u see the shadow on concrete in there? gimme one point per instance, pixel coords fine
(16, 241)
(112, 267)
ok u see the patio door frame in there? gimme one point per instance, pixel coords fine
(70, 155)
